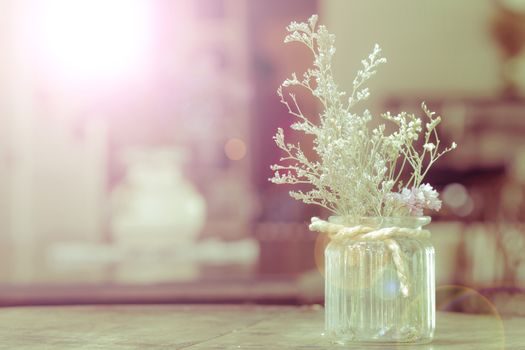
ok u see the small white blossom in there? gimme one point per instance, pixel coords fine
(429, 146)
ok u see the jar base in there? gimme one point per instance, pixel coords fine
(376, 339)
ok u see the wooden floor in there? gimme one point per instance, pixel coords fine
(221, 327)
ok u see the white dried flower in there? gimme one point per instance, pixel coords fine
(429, 146)
(358, 166)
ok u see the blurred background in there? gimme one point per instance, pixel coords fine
(136, 140)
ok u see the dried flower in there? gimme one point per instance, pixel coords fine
(429, 146)
(418, 198)
(357, 167)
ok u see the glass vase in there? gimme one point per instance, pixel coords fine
(366, 299)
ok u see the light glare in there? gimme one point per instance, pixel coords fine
(94, 38)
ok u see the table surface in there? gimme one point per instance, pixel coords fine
(221, 327)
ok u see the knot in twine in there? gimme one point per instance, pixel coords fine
(338, 232)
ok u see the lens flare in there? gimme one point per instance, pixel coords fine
(92, 38)
(461, 298)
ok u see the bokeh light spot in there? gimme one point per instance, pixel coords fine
(456, 197)
(235, 149)
(387, 284)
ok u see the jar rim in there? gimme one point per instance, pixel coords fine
(380, 221)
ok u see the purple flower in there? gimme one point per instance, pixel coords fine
(418, 198)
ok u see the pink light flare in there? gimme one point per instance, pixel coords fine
(93, 39)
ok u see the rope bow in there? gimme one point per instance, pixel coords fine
(338, 232)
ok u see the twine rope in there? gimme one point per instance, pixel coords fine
(339, 232)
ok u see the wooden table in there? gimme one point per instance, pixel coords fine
(221, 327)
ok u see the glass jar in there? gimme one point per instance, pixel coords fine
(366, 299)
